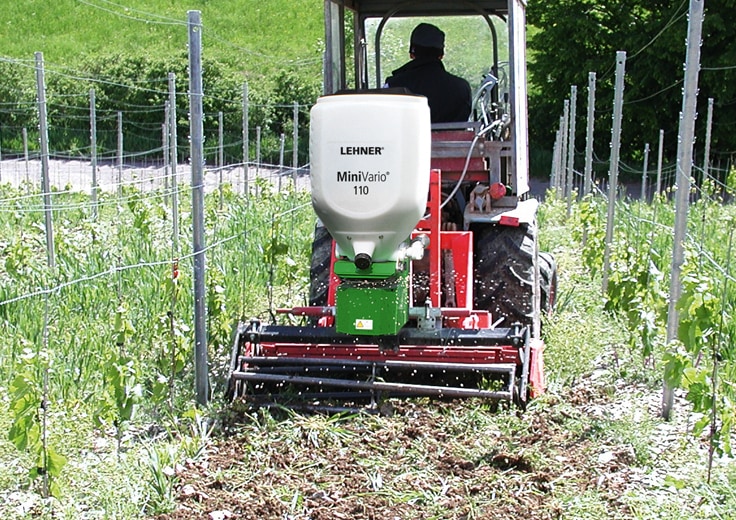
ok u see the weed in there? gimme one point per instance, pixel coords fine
(161, 468)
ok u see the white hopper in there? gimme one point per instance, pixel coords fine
(370, 160)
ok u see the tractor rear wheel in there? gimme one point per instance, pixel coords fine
(548, 282)
(504, 266)
(319, 270)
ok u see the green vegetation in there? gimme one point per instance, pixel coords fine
(96, 378)
(701, 359)
(576, 37)
(267, 42)
(115, 375)
(126, 54)
(274, 47)
(104, 340)
(256, 38)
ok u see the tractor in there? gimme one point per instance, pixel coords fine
(426, 275)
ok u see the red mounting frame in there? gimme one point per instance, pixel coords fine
(462, 315)
(449, 267)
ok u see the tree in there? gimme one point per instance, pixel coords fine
(17, 110)
(571, 38)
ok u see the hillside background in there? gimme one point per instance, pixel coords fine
(255, 37)
(125, 53)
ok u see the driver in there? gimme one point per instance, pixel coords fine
(449, 96)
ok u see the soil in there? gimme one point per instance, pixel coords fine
(502, 464)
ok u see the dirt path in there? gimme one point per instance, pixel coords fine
(455, 460)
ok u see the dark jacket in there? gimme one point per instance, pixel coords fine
(449, 96)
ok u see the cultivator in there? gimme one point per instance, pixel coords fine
(441, 351)
(301, 362)
(426, 275)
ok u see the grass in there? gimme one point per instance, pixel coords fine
(593, 447)
(97, 313)
(258, 34)
(126, 53)
(583, 451)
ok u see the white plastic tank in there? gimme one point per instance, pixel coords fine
(370, 159)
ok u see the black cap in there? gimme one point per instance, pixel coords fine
(363, 260)
(428, 35)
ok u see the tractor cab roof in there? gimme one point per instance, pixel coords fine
(381, 8)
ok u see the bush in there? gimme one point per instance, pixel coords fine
(137, 86)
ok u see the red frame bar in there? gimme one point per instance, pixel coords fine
(418, 353)
(433, 224)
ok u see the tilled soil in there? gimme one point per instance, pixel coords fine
(456, 460)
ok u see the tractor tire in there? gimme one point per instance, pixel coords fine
(548, 282)
(504, 272)
(319, 269)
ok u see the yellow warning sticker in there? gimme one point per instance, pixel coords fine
(364, 324)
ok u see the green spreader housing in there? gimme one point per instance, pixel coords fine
(373, 301)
